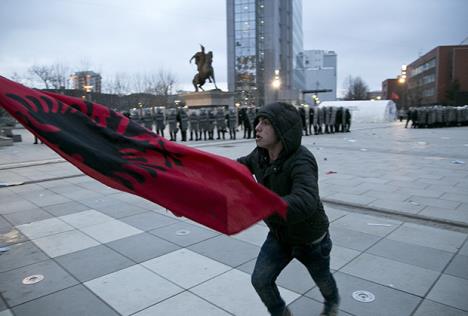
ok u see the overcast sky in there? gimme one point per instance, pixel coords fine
(372, 38)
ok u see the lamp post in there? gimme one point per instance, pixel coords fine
(88, 89)
(402, 82)
(276, 84)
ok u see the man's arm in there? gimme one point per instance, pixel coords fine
(304, 198)
(247, 161)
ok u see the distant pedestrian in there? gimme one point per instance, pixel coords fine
(347, 120)
(36, 139)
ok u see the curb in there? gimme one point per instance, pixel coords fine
(428, 220)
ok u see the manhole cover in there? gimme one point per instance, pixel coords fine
(182, 232)
(363, 296)
(32, 279)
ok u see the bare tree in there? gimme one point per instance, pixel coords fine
(165, 83)
(54, 76)
(356, 89)
(60, 75)
(159, 84)
(24, 78)
(144, 83)
(119, 84)
(43, 73)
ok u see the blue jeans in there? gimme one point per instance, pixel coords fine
(275, 256)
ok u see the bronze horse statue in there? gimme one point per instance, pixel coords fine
(205, 69)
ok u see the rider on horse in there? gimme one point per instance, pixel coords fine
(204, 67)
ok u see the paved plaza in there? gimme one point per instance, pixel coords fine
(396, 198)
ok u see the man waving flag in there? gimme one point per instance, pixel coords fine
(217, 192)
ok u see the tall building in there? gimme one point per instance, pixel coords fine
(264, 42)
(319, 68)
(88, 81)
(439, 77)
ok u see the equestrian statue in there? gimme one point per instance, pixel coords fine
(205, 69)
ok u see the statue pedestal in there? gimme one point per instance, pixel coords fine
(7, 132)
(213, 98)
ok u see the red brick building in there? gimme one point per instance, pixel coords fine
(439, 77)
(391, 90)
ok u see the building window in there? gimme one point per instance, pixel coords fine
(422, 68)
(428, 92)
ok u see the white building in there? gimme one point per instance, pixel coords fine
(320, 67)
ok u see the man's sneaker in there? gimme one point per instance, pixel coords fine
(330, 309)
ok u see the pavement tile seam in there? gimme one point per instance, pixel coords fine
(456, 274)
(211, 303)
(463, 207)
(77, 230)
(172, 296)
(369, 247)
(48, 293)
(26, 265)
(441, 303)
(66, 288)
(380, 211)
(192, 244)
(367, 281)
(436, 282)
(387, 285)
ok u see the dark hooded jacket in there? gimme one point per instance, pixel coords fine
(293, 176)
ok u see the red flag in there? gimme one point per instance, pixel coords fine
(212, 190)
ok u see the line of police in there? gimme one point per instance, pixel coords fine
(201, 122)
(328, 120)
(437, 116)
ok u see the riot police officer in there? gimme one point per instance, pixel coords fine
(347, 120)
(251, 117)
(211, 123)
(203, 123)
(147, 118)
(232, 122)
(182, 118)
(172, 122)
(160, 121)
(220, 122)
(194, 121)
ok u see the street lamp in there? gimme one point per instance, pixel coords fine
(276, 83)
(404, 85)
(88, 89)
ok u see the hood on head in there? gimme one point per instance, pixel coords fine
(286, 122)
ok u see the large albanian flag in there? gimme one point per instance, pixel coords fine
(209, 189)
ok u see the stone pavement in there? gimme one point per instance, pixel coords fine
(396, 198)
